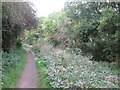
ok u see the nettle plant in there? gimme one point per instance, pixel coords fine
(69, 71)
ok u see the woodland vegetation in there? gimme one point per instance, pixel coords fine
(91, 27)
(88, 31)
(16, 18)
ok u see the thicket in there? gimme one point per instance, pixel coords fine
(91, 27)
(94, 28)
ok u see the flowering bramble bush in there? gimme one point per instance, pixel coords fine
(66, 70)
(75, 71)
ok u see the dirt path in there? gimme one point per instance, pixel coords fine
(29, 76)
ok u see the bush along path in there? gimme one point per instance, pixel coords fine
(12, 65)
(29, 75)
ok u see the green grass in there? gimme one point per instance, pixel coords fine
(12, 74)
(41, 67)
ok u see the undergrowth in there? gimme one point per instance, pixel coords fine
(68, 70)
(12, 64)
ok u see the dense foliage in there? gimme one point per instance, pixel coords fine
(16, 17)
(94, 28)
(12, 66)
(90, 27)
(66, 70)
(86, 30)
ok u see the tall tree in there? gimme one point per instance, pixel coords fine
(16, 17)
(94, 28)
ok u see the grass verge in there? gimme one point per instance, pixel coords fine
(41, 67)
(12, 74)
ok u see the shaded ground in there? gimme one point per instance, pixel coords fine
(29, 75)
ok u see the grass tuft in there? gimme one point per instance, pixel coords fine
(43, 82)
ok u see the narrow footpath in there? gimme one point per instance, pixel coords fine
(29, 76)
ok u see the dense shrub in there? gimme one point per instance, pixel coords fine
(19, 43)
(91, 27)
(12, 66)
(94, 29)
(9, 60)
